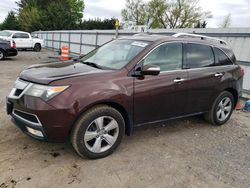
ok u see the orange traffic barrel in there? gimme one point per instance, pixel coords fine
(239, 105)
(64, 52)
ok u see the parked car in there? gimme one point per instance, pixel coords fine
(7, 49)
(23, 39)
(123, 84)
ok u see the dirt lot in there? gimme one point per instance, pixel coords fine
(180, 153)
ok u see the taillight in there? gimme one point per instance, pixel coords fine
(242, 72)
(13, 44)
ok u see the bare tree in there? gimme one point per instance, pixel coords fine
(166, 13)
(184, 13)
(156, 10)
(135, 11)
(226, 22)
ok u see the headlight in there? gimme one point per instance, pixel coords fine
(44, 92)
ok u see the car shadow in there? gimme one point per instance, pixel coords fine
(138, 135)
(50, 151)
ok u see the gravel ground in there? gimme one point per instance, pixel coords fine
(181, 153)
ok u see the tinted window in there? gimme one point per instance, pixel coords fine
(20, 35)
(167, 56)
(221, 58)
(230, 54)
(199, 55)
(16, 35)
(23, 35)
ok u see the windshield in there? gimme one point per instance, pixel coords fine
(115, 54)
(5, 33)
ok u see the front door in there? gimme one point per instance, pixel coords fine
(164, 96)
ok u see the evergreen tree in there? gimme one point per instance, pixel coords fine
(10, 22)
(50, 15)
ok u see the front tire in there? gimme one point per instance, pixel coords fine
(222, 109)
(98, 132)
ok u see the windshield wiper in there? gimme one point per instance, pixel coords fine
(92, 64)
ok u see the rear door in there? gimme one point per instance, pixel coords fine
(204, 78)
(163, 96)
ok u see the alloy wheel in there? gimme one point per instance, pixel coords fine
(101, 134)
(224, 108)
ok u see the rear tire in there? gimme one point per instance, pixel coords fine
(37, 47)
(98, 132)
(221, 110)
(2, 54)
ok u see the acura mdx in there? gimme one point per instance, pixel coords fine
(95, 99)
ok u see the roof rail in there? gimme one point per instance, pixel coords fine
(202, 37)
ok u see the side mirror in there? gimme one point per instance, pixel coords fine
(153, 70)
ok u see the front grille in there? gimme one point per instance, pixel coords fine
(31, 118)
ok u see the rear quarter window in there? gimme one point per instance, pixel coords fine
(221, 58)
(230, 54)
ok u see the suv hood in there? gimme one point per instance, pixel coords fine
(49, 72)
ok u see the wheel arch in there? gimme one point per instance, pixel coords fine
(124, 113)
(115, 105)
(38, 44)
(235, 94)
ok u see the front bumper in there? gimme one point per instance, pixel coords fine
(28, 123)
(29, 129)
(39, 120)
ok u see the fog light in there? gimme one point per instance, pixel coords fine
(35, 132)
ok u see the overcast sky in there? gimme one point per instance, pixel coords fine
(239, 9)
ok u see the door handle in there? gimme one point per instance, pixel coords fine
(178, 80)
(218, 74)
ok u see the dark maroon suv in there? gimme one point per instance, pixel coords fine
(95, 99)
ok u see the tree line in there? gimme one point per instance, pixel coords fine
(33, 15)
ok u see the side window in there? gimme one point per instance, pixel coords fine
(199, 55)
(16, 36)
(221, 58)
(20, 35)
(25, 36)
(167, 57)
